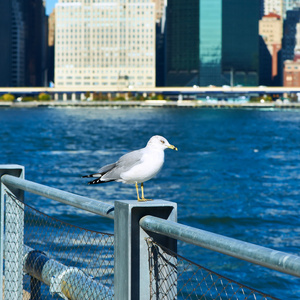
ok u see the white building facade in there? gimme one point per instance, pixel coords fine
(105, 43)
(290, 4)
(274, 6)
(280, 7)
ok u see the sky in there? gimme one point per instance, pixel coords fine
(50, 5)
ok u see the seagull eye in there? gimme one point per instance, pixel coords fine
(162, 141)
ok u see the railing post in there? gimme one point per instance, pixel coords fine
(132, 278)
(14, 228)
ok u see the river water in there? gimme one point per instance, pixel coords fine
(237, 172)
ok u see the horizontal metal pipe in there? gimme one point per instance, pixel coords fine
(273, 259)
(68, 282)
(87, 204)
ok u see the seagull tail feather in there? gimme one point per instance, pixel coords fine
(98, 178)
(92, 175)
(98, 181)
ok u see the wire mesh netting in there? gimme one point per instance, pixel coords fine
(175, 277)
(82, 255)
(84, 260)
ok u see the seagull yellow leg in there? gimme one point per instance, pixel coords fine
(138, 196)
(143, 197)
(137, 192)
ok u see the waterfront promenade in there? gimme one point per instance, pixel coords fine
(153, 103)
(174, 90)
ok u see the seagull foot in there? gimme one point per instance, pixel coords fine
(144, 199)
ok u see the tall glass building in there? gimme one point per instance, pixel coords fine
(23, 43)
(212, 42)
(182, 43)
(240, 46)
(12, 41)
(289, 35)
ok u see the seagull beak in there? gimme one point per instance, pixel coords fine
(173, 147)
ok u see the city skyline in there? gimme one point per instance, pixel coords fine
(148, 43)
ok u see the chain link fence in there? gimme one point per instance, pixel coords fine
(65, 261)
(172, 274)
(88, 254)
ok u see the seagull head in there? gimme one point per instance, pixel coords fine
(160, 142)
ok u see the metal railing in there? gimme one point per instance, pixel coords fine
(84, 203)
(266, 257)
(134, 224)
(60, 277)
(67, 282)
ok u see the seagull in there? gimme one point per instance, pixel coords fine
(135, 167)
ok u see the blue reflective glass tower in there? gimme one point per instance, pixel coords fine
(217, 42)
(240, 41)
(210, 43)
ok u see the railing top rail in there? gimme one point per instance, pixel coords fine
(272, 259)
(87, 204)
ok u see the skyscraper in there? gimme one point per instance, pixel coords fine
(160, 7)
(36, 42)
(274, 6)
(105, 44)
(212, 42)
(51, 41)
(290, 5)
(240, 42)
(12, 41)
(289, 48)
(23, 45)
(279, 7)
(289, 33)
(291, 76)
(182, 43)
(270, 28)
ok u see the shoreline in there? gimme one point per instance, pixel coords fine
(149, 103)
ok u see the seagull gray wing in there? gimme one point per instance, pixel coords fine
(106, 168)
(130, 159)
(125, 163)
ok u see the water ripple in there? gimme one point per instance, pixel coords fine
(236, 172)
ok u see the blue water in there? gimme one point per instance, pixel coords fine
(237, 172)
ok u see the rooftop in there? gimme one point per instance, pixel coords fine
(272, 15)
